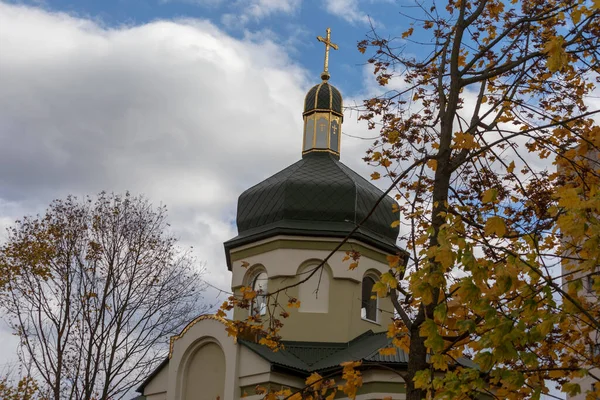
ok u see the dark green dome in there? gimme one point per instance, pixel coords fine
(316, 196)
(323, 97)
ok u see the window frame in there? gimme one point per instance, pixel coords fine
(252, 279)
(374, 278)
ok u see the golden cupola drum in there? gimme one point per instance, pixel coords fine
(323, 115)
(322, 119)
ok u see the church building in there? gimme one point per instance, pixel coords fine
(287, 225)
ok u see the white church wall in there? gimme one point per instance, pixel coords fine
(336, 315)
(251, 367)
(285, 260)
(156, 389)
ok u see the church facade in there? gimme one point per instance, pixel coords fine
(288, 224)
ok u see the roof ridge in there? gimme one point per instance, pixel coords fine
(363, 335)
(298, 358)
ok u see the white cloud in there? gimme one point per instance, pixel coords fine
(176, 110)
(347, 10)
(256, 10)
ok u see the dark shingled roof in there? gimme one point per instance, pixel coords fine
(316, 196)
(308, 357)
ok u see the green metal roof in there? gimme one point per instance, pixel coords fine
(316, 196)
(308, 357)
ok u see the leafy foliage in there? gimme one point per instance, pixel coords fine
(493, 153)
(491, 220)
(25, 389)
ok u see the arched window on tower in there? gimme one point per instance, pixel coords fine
(314, 293)
(368, 308)
(258, 283)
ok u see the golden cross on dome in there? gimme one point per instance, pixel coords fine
(328, 43)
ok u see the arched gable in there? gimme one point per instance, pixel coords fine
(190, 325)
(203, 354)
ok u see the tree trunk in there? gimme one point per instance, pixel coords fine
(417, 360)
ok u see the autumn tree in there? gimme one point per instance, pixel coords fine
(489, 139)
(93, 289)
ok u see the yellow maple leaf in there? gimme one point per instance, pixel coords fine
(393, 261)
(387, 351)
(444, 256)
(495, 225)
(557, 56)
(422, 379)
(390, 280)
(576, 15)
(221, 313)
(464, 141)
(569, 198)
(495, 8)
(294, 303)
(407, 33)
(248, 293)
(439, 362)
(432, 164)
(380, 288)
(511, 167)
(489, 195)
(231, 331)
(315, 377)
(268, 342)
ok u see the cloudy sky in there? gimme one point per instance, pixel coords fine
(188, 102)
